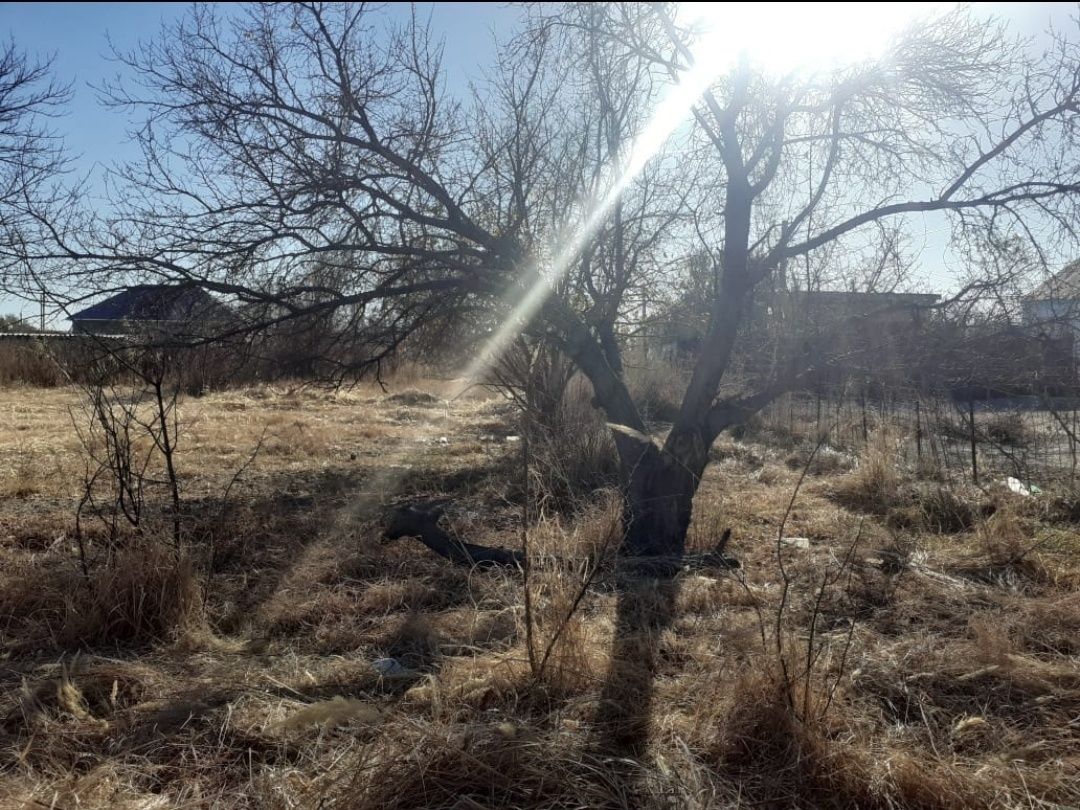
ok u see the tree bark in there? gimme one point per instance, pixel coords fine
(423, 523)
(659, 484)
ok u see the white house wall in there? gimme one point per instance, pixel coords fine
(1059, 317)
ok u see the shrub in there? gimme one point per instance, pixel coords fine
(143, 595)
(27, 364)
(936, 508)
(1007, 428)
(752, 428)
(1063, 505)
(943, 510)
(576, 455)
(536, 377)
(657, 390)
(874, 485)
(826, 461)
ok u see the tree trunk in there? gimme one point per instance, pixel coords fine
(659, 486)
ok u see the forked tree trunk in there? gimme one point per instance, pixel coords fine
(659, 484)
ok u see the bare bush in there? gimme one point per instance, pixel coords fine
(1008, 429)
(143, 595)
(574, 456)
(536, 376)
(1063, 505)
(129, 437)
(874, 486)
(27, 364)
(561, 654)
(826, 461)
(656, 387)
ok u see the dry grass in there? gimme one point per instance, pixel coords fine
(874, 485)
(27, 364)
(656, 386)
(959, 688)
(574, 456)
(144, 594)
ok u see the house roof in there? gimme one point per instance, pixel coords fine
(153, 302)
(876, 297)
(1062, 285)
(865, 303)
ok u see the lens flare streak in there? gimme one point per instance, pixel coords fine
(668, 116)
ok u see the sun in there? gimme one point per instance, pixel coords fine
(784, 37)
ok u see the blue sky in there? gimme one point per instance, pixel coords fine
(78, 35)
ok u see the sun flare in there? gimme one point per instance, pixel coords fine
(782, 37)
(779, 36)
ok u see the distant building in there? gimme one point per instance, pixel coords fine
(1053, 308)
(877, 310)
(856, 332)
(162, 309)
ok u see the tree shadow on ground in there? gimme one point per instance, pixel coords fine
(645, 609)
(265, 538)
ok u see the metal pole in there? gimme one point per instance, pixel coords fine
(974, 446)
(918, 427)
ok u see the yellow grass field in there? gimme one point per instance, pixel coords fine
(289, 657)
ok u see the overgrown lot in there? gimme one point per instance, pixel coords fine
(890, 640)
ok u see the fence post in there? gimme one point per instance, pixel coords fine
(974, 442)
(865, 431)
(1072, 448)
(918, 427)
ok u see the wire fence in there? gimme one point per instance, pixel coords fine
(1030, 438)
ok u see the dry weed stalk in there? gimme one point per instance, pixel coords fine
(545, 369)
(812, 652)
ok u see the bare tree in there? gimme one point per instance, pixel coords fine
(284, 134)
(30, 153)
(956, 113)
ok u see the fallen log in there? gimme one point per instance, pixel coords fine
(423, 523)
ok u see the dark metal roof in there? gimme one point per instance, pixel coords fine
(875, 297)
(154, 302)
